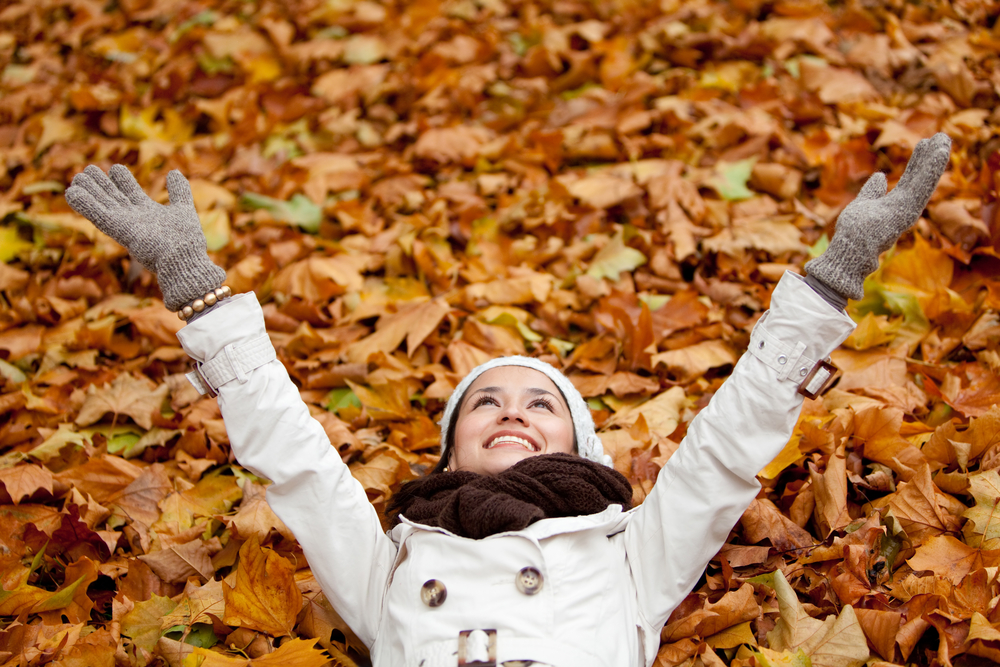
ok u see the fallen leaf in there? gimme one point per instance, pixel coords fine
(263, 596)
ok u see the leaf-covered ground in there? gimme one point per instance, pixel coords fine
(414, 187)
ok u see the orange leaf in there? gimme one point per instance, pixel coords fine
(264, 596)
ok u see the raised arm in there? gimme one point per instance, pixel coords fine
(707, 485)
(269, 426)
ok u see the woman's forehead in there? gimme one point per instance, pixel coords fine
(514, 378)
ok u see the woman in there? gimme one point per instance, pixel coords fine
(523, 549)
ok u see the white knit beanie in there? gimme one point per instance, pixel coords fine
(587, 442)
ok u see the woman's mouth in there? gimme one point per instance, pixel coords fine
(507, 440)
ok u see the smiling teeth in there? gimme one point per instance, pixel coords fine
(510, 438)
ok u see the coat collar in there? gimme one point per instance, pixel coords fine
(612, 520)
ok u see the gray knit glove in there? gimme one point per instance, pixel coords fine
(871, 223)
(167, 240)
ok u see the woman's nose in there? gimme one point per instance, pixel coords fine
(512, 412)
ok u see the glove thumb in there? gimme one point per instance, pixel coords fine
(874, 188)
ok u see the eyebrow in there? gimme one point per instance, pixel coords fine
(534, 391)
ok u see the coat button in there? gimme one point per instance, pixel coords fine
(433, 593)
(529, 581)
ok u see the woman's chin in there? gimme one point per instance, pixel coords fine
(495, 461)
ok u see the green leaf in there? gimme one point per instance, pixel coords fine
(615, 258)
(54, 444)
(768, 658)
(730, 180)
(818, 248)
(122, 442)
(341, 398)
(654, 301)
(299, 210)
(561, 347)
(201, 635)
(205, 18)
(509, 320)
(13, 374)
(59, 599)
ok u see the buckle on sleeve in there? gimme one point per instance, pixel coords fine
(819, 378)
(204, 380)
(477, 648)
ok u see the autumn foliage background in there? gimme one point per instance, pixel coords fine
(414, 187)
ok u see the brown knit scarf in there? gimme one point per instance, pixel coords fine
(539, 487)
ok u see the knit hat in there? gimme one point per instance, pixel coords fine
(587, 442)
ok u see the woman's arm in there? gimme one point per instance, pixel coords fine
(710, 481)
(269, 426)
(273, 435)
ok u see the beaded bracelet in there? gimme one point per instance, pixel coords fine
(210, 299)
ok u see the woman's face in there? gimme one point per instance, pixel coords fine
(508, 414)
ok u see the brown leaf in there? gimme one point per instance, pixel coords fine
(452, 144)
(950, 558)
(412, 322)
(139, 501)
(25, 480)
(762, 520)
(175, 563)
(255, 516)
(695, 360)
(129, 395)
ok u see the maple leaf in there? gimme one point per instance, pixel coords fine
(263, 596)
(255, 516)
(950, 558)
(143, 624)
(983, 529)
(129, 395)
(25, 480)
(603, 190)
(837, 641)
(615, 258)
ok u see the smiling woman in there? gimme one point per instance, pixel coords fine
(527, 550)
(509, 414)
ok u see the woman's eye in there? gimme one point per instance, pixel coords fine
(542, 403)
(485, 400)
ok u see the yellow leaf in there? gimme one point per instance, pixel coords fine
(213, 494)
(11, 243)
(786, 457)
(264, 597)
(614, 259)
(298, 652)
(384, 401)
(981, 628)
(143, 624)
(732, 637)
(983, 529)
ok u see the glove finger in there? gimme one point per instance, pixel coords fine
(179, 190)
(128, 186)
(83, 202)
(94, 181)
(874, 188)
(923, 171)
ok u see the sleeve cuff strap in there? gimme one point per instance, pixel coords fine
(791, 362)
(233, 363)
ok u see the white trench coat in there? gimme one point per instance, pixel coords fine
(587, 591)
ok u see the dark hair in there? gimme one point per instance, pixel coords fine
(449, 445)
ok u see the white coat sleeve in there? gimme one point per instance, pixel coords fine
(313, 492)
(709, 482)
